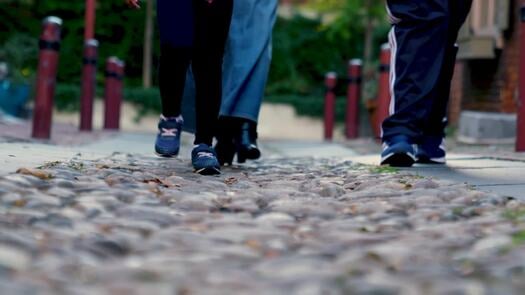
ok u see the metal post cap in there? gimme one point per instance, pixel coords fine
(120, 63)
(53, 20)
(355, 62)
(331, 75)
(113, 59)
(91, 42)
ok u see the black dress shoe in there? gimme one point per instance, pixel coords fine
(246, 142)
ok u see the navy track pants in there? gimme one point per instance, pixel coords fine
(423, 42)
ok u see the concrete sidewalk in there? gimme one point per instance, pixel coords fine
(493, 174)
(14, 155)
(505, 176)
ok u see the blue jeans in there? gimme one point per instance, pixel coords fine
(247, 58)
(246, 63)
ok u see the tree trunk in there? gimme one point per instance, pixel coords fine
(148, 46)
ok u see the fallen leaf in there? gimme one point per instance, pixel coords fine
(35, 172)
(102, 166)
(157, 181)
(253, 244)
(231, 181)
(20, 203)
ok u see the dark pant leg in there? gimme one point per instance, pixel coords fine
(212, 23)
(176, 26)
(437, 120)
(173, 65)
(419, 39)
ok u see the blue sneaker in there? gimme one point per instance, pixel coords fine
(432, 150)
(168, 138)
(398, 152)
(204, 160)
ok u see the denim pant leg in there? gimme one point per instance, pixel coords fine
(247, 58)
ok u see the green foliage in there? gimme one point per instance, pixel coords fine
(304, 51)
(119, 30)
(515, 215)
(383, 170)
(305, 48)
(147, 100)
(519, 238)
(312, 106)
(21, 54)
(67, 97)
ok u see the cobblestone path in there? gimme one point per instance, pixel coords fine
(143, 225)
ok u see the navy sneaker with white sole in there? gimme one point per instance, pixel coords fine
(432, 150)
(167, 143)
(204, 160)
(398, 152)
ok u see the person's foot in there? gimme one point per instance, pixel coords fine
(246, 142)
(225, 147)
(398, 152)
(204, 160)
(168, 138)
(225, 151)
(431, 150)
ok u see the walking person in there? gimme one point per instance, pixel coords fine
(191, 32)
(246, 66)
(423, 42)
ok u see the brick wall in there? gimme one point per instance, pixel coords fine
(489, 85)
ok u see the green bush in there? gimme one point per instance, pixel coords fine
(20, 52)
(147, 100)
(67, 97)
(312, 106)
(306, 49)
(303, 53)
(120, 32)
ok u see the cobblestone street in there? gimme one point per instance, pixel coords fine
(143, 225)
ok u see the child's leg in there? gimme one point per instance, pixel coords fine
(173, 65)
(212, 23)
(175, 19)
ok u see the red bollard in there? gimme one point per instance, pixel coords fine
(46, 78)
(89, 75)
(383, 94)
(89, 20)
(520, 137)
(353, 98)
(113, 93)
(329, 105)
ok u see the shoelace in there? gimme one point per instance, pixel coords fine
(168, 132)
(205, 155)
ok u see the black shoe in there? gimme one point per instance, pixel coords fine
(225, 147)
(225, 151)
(246, 142)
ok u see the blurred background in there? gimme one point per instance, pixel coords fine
(311, 38)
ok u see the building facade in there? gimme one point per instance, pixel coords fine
(486, 74)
